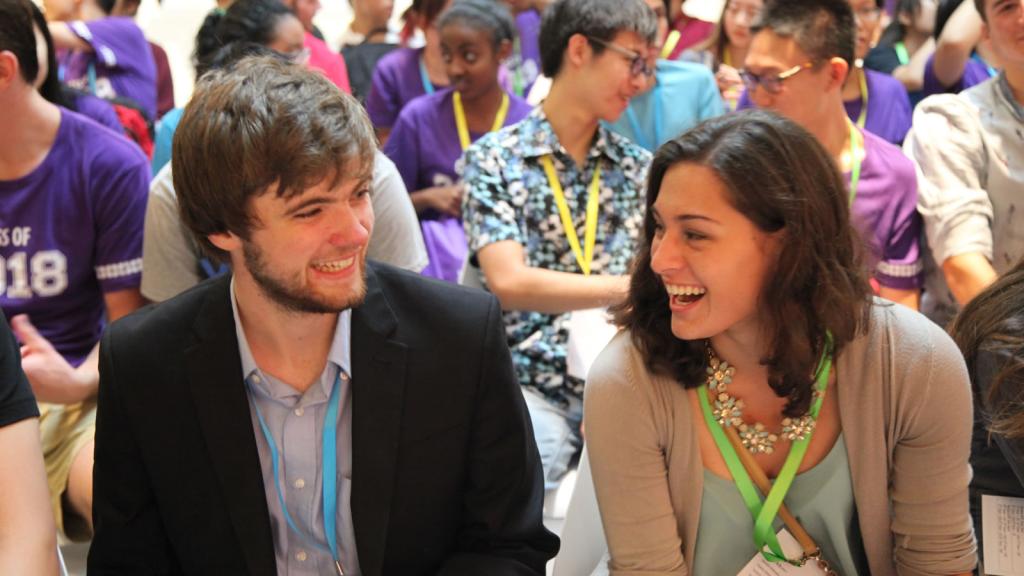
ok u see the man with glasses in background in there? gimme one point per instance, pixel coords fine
(554, 205)
(798, 62)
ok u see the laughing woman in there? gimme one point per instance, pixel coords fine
(754, 360)
(434, 130)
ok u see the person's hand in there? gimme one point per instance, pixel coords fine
(728, 79)
(445, 199)
(52, 378)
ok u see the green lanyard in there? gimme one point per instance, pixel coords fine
(901, 53)
(764, 513)
(517, 73)
(855, 152)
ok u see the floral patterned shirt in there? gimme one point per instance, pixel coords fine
(508, 197)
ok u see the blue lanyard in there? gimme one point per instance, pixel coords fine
(329, 471)
(991, 71)
(92, 78)
(634, 123)
(428, 86)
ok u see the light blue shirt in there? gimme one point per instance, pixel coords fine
(164, 138)
(685, 94)
(295, 421)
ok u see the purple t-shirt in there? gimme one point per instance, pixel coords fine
(885, 212)
(122, 59)
(889, 111)
(975, 72)
(424, 145)
(396, 80)
(71, 230)
(527, 60)
(98, 110)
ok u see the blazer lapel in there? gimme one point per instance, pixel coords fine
(378, 384)
(214, 372)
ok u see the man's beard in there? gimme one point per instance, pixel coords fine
(293, 299)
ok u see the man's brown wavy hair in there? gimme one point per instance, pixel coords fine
(783, 180)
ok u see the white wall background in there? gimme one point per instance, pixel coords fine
(173, 25)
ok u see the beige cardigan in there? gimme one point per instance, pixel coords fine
(905, 409)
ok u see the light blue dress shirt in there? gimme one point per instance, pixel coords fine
(685, 95)
(296, 423)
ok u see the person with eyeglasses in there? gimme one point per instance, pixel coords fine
(874, 101)
(553, 206)
(678, 96)
(797, 66)
(727, 47)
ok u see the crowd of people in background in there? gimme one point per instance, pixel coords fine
(766, 272)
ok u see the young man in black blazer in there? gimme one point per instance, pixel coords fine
(314, 413)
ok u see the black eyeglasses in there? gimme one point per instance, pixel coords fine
(771, 83)
(637, 62)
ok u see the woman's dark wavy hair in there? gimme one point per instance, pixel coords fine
(994, 322)
(783, 180)
(253, 21)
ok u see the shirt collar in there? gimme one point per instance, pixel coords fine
(340, 355)
(1007, 92)
(538, 138)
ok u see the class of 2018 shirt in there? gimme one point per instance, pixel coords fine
(888, 107)
(396, 81)
(884, 211)
(70, 231)
(121, 58)
(424, 145)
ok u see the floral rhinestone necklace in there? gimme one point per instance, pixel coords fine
(728, 411)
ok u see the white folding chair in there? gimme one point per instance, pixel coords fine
(583, 543)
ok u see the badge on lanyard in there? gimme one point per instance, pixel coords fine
(764, 512)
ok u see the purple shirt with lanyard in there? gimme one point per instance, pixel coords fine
(424, 145)
(121, 63)
(883, 107)
(884, 210)
(304, 482)
(399, 77)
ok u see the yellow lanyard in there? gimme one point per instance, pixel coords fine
(863, 117)
(670, 44)
(586, 256)
(460, 118)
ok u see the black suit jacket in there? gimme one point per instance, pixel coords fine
(446, 476)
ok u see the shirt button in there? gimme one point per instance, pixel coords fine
(299, 411)
(300, 555)
(256, 378)
(300, 483)
(344, 376)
